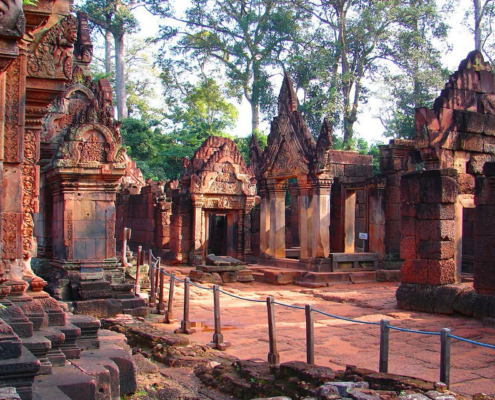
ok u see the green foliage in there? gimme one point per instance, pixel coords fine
(248, 39)
(29, 2)
(112, 15)
(243, 143)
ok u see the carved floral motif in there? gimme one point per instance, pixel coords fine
(10, 224)
(12, 147)
(29, 190)
(69, 236)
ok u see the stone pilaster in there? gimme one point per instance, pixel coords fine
(277, 191)
(320, 206)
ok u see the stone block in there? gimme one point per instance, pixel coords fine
(407, 210)
(408, 248)
(393, 229)
(489, 144)
(489, 125)
(98, 308)
(441, 272)
(477, 162)
(437, 250)
(392, 212)
(408, 226)
(415, 271)
(472, 142)
(484, 276)
(487, 83)
(410, 189)
(466, 183)
(435, 211)
(467, 79)
(485, 191)
(438, 188)
(484, 220)
(484, 248)
(435, 230)
(393, 194)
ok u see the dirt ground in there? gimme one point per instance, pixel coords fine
(340, 343)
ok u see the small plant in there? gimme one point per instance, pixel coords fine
(29, 2)
(3, 306)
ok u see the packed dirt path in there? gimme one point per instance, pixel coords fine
(340, 343)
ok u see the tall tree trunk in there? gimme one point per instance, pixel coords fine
(478, 16)
(120, 90)
(255, 110)
(108, 53)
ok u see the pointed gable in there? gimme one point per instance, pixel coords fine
(291, 148)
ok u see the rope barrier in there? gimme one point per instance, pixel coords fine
(346, 319)
(396, 328)
(472, 342)
(413, 331)
(288, 305)
(241, 298)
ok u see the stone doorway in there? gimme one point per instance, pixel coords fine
(464, 237)
(222, 234)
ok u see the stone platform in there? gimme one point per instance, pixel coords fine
(221, 270)
(47, 353)
(285, 276)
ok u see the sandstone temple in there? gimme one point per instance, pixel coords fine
(298, 211)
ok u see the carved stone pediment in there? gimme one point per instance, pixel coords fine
(218, 168)
(52, 58)
(291, 150)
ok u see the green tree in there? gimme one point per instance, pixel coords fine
(248, 38)
(354, 37)
(114, 17)
(480, 20)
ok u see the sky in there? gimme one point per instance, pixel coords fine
(368, 126)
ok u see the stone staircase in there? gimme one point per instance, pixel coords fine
(49, 354)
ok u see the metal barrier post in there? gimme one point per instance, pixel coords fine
(217, 341)
(445, 342)
(157, 281)
(151, 273)
(161, 305)
(185, 325)
(169, 315)
(137, 287)
(273, 355)
(310, 334)
(384, 345)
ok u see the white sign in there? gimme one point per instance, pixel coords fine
(363, 236)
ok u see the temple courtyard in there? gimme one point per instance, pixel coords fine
(338, 342)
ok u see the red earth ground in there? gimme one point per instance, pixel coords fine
(338, 342)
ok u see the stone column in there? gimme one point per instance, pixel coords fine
(197, 232)
(240, 231)
(349, 221)
(264, 220)
(305, 219)
(376, 217)
(277, 218)
(321, 217)
(294, 215)
(248, 252)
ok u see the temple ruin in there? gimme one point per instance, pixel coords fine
(298, 209)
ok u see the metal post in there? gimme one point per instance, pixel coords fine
(217, 341)
(445, 342)
(273, 355)
(185, 325)
(169, 315)
(151, 272)
(384, 345)
(157, 281)
(310, 334)
(161, 305)
(137, 287)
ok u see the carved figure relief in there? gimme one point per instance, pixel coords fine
(285, 164)
(12, 149)
(92, 150)
(53, 56)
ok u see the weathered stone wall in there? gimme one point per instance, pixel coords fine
(181, 225)
(147, 214)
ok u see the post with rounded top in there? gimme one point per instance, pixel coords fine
(151, 274)
(137, 287)
(310, 334)
(445, 342)
(169, 315)
(384, 345)
(217, 341)
(125, 237)
(160, 308)
(157, 280)
(273, 355)
(185, 325)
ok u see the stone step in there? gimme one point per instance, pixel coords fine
(72, 382)
(39, 346)
(49, 393)
(20, 373)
